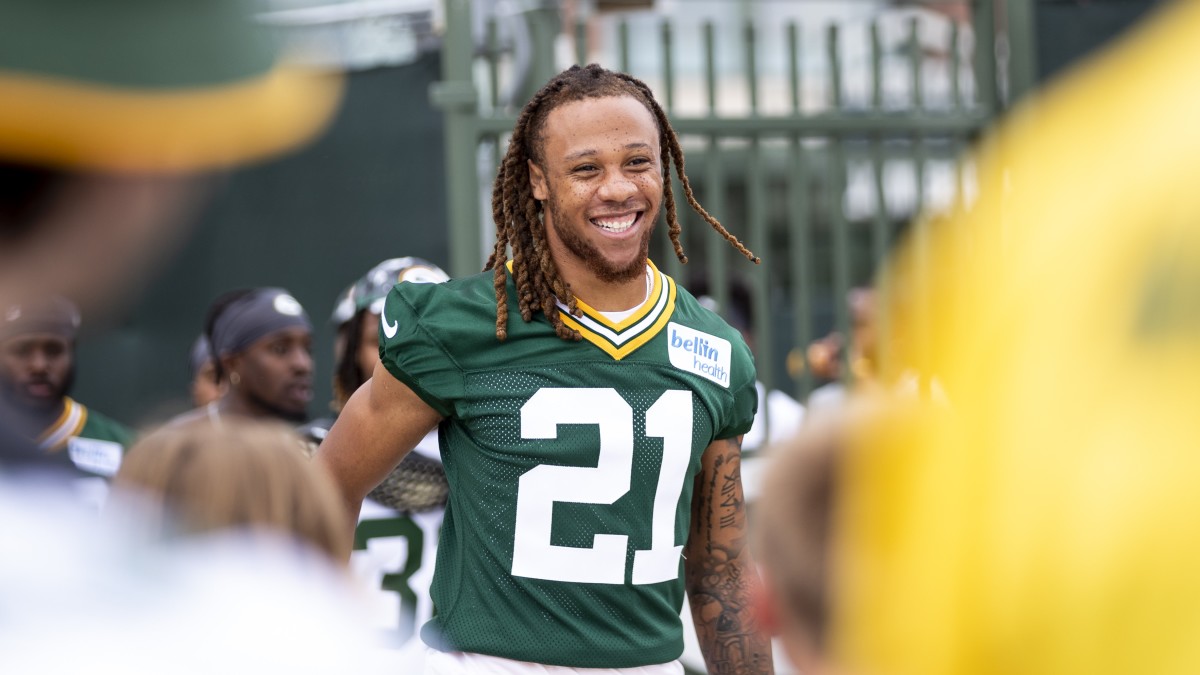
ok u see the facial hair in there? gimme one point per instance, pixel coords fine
(591, 257)
(11, 392)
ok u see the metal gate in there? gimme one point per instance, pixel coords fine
(814, 130)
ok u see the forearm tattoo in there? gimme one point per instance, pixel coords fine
(719, 576)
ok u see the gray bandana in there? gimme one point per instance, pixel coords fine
(250, 318)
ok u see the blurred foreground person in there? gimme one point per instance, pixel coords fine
(224, 535)
(1043, 522)
(37, 370)
(261, 340)
(113, 113)
(396, 541)
(242, 475)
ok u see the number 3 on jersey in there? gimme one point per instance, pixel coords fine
(670, 418)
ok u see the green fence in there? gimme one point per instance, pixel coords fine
(813, 130)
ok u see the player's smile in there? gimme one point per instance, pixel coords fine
(617, 223)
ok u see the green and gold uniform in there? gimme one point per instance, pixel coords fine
(85, 440)
(570, 464)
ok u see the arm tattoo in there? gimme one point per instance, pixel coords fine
(720, 576)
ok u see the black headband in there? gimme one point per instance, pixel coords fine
(257, 314)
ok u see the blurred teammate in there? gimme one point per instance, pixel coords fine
(824, 355)
(1043, 521)
(112, 117)
(396, 538)
(262, 342)
(105, 132)
(592, 447)
(112, 113)
(37, 370)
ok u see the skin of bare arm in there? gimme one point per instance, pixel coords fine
(379, 425)
(720, 576)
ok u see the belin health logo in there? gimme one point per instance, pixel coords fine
(705, 355)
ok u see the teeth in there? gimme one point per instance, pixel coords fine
(615, 224)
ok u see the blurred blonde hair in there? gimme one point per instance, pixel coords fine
(201, 478)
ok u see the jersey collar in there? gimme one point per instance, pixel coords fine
(620, 339)
(68, 424)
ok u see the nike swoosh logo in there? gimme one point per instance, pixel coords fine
(389, 329)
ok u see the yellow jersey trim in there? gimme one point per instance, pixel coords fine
(621, 338)
(68, 425)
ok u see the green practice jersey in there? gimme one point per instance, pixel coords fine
(570, 464)
(94, 444)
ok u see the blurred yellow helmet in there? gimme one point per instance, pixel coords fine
(1044, 520)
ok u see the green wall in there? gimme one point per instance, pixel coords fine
(370, 189)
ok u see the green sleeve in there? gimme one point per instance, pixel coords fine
(413, 353)
(744, 393)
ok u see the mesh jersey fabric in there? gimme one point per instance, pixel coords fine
(602, 398)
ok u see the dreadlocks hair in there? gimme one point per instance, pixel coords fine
(518, 215)
(347, 375)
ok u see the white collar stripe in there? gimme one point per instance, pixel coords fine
(633, 331)
(64, 430)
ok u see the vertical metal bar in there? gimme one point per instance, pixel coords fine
(623, 44)
(544, 28)
(835, 70)
(1022, 51)
(836, 180)
(876, 68)
(984, 24)
(496, 146)
(955, 67)
(879, 229)
(793, 40)
(916, 63)
(916, 69)
(455, 93)
(751, 64)
(581, 41)
(714, 177)
(668, 67)
(799, 231)
(493, 61)
(671, 263)
(881, 224)
(759, 236)
(710, 67)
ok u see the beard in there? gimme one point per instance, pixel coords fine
(15, 396)
(593, 259)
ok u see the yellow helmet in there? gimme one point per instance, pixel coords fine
(1044, 519)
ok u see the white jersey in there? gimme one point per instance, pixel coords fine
(393, 563)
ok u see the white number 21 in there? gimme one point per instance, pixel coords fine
(670, 418)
